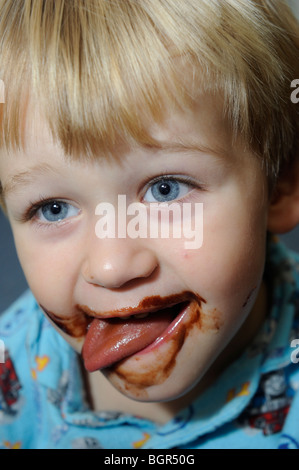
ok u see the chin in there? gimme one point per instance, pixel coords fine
(167, 391)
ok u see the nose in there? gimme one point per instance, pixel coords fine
(111, 263)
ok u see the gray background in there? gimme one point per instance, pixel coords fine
(295, 5)
(12, 281)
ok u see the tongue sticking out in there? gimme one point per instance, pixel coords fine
(111, 340)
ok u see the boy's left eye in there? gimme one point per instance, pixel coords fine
(166, 190)
(55, 211)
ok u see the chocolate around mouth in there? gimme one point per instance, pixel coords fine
(173, 311)
(111, 340)
(77, 325)
(134, 380)
(151, 304)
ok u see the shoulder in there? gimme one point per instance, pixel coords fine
(23, 327)
(294, 256)
(16, 324)
(282, 264)
(15, 319)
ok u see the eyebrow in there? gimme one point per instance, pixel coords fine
(25, 178)
(192, 147)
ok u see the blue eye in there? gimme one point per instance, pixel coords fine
(55, 211)
(166, 190)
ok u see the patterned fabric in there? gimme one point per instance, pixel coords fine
(253, 404)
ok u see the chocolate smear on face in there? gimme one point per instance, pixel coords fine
(156, 375)
(148, 304)
(117, 335)
(74, 325)
(77, 326)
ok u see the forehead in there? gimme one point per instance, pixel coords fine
(203, 122)
(200, 128)
(36, 150)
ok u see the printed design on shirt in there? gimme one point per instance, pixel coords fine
(86, 443)
(288, 442)
(262, 340)
(57, 395)
(9, 390)
(9, 328)
(59, 432)
(270, 405)
(139, 444)
(41, 364)
(179, 422)
(100, 419)
(12, 445)
(233, 393)
(284, 271)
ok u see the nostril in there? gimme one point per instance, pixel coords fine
(115, 263)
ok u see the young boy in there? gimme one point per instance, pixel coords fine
(130, 340)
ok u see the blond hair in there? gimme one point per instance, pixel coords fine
(97, 66)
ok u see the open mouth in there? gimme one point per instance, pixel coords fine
(111, 340)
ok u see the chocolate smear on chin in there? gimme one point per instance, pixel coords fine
(135, 382)
(112, 338)
(77, 325)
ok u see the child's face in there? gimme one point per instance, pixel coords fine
(73, 273)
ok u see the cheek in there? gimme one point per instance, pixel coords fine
(49, 271)
(230, 263)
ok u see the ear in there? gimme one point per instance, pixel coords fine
(283, 213)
